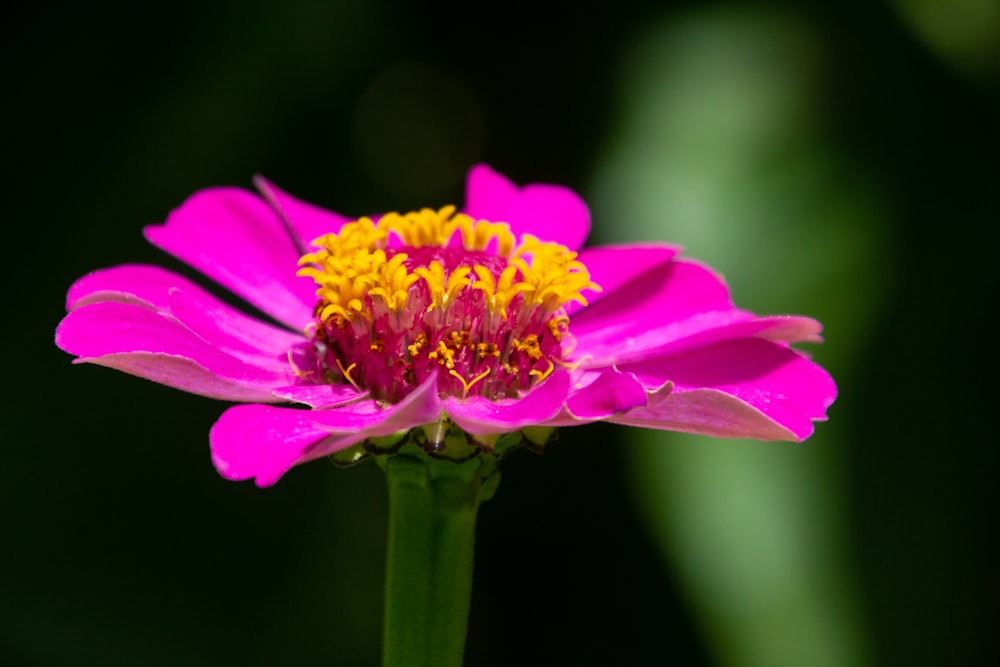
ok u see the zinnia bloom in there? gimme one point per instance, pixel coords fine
(469, 324)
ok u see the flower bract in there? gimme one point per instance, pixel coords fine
(462, 326)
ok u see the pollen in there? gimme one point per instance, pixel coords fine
(437, 292)
(558, 326)
(419, 343)
(529, 346)
(484, 350)
(444, 355)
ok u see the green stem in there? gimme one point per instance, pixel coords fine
(432, 523)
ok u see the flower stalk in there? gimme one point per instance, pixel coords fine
(432, 522)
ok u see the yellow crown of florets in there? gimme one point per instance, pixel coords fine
(354, 264)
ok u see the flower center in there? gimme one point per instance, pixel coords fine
(435, 291)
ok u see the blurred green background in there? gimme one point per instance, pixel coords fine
(840, 160)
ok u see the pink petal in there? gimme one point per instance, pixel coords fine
(713, 328)
(611, 393)
(235, 238)
(663, 304)
(320, 396)
(481, 416)
(775, 328)
(306, 220)
(550, 212)
(163, 291)
(136, 340)
(737, 388)
(707, 412)
(264, 442)
(612, 267)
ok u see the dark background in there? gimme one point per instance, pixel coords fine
(121, 544)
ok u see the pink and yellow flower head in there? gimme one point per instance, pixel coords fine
(435, 293)
(453, 326)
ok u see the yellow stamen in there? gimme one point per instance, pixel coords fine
(477, 235)
(418, 344)
(498, 295)
(466, 386)
(299, 373)
(458, 339)
(558, 326)
(395, 282)
(529, 346)
(443, 290)
(487, 350)
(540, 374)
(553, 273)
(573, 365)
(444, 355)
(347, 373)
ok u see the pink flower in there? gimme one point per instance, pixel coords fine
(440, 320)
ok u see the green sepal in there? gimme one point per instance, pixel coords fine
(538, 435)
(507, 443)
(435, 435)
(443, 440)
(353, 455)
(457, 446)
(386, 444)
